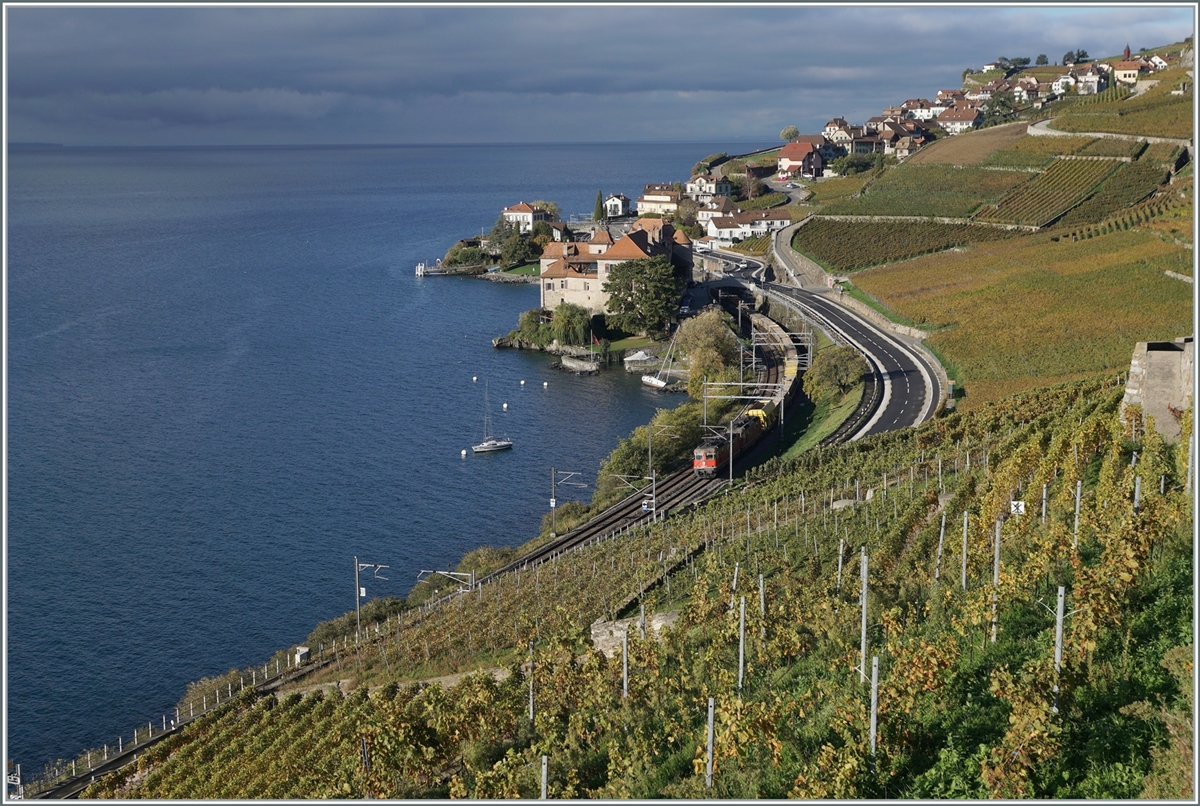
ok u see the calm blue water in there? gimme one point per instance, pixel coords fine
(224, 382)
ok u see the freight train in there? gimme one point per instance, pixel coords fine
(757, 417)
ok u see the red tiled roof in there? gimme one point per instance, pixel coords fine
(796, 150)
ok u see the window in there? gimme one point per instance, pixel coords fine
(587, 286)
(549, 286)
(562, 283)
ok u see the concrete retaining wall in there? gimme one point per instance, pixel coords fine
(1160, 381)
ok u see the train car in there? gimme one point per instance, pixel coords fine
(764, 410)
(758, 417)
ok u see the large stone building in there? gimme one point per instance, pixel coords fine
(576, 272)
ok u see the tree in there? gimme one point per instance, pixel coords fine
(852, 164)
(642, 294)
(1019, 64)
(541, 228)
(752, 187)
(516, 250)
(1000, 109)
(1042, 61)
(1081, 55)
(708, 331)
(834, 371)
(570, 323)
(1069, 57)
(789, 134)
(685, 213)
(598, 210)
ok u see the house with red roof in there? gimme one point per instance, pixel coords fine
(801, 158)
(524, 216)
(960, 119)
(576, 272)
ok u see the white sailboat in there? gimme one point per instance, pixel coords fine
(662, 378)
(490, 441)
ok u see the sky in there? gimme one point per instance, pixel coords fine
(394, 74)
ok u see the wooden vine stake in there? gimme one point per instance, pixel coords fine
(708, 764)
(741, 645)
(995, 580)
(937, 567)
(862, 666)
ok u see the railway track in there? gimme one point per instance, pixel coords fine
(679, 489)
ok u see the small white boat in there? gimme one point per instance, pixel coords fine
(663, 377)
(654, 381)
(490, 442)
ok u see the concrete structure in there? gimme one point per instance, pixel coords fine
(1160, 381)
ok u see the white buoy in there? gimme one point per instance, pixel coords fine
(545, 384)
(464, 453)
(506, 407)
(474, 378)
(522, 383)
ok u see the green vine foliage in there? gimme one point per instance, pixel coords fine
(959, 715)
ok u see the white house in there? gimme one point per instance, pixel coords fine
(524, 216)
(617, 205)
(960, 119)
(660, 199)
(748, 224)
(705, 186)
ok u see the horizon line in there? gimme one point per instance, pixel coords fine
(39, 144)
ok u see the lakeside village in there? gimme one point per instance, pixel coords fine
(615, 283)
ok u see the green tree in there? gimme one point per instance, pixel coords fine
(1081, 55)
(1042, 61)
(570, 323)
(598, 210)
(1001, 109)
(1068, 57)
(708, 331)
(789, 134)
(517, 250)
(642, 294)
(502, 230)
(685, 213)
(541, 228)
(834, 371)
(1019, 64)
(853, 164)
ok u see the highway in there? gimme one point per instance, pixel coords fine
(910, 384)
(911, 389)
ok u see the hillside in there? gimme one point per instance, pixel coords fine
(1051, 255)
(959, 713)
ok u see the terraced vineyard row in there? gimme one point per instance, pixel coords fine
(1132, 182)
(1035, 152)
(1050, 193)
(971, 702)
(944, 191)
(848, 245)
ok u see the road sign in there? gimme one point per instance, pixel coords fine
(1017, 507)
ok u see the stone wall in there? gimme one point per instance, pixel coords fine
(1160, 381)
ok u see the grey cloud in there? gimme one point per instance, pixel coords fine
(299, 70)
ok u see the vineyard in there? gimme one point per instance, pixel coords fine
(929, 190)
(1049, 194)
(753, 246)
(827, 191)
(866, 621)
(1113, 147)
(843, 246)
(1020, 311)
(1036, 152)
(1132, 182)
(1155, 111)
